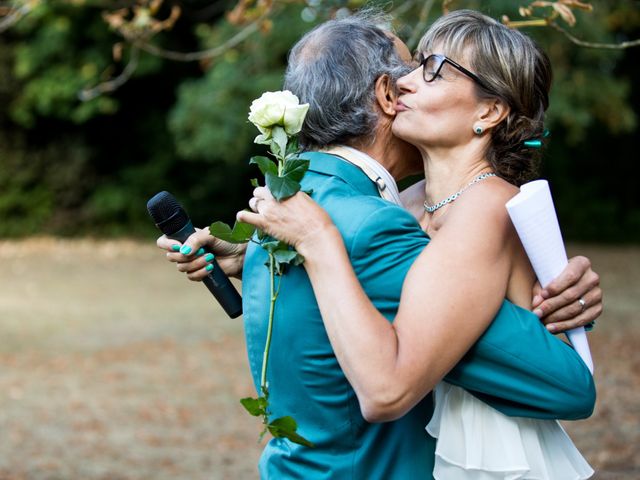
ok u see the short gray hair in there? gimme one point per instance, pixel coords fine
(514, 69)
(334, 68)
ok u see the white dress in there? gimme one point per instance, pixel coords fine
(475, 441)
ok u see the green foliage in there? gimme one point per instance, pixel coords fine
(286, 427)
(212, 111)
(54, 59)
(266, 165)
(241, 232)
(73, 167)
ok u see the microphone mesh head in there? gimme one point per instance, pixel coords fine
(162, 206)
(167, 213)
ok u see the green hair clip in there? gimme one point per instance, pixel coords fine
(536, 142)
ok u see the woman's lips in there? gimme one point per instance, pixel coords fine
(401, 107)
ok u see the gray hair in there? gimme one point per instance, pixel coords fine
(514, 69)
(334, 68)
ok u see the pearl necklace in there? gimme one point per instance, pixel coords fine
(451, 198)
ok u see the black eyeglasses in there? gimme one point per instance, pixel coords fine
(432, 65)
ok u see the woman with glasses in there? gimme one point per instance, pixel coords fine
(474, 108)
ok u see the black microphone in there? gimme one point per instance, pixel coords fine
(173, 221)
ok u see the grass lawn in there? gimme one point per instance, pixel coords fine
(114, 367)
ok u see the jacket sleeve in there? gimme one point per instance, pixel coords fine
(520, 369)
(516, 366)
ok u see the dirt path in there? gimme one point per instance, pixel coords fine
(113, 367)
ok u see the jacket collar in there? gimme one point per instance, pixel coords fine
(328, 164)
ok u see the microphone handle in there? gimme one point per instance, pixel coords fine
(217, 281)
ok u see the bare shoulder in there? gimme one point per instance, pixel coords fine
(481, 209)
(492, 192)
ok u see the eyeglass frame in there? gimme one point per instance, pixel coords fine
(444, 59)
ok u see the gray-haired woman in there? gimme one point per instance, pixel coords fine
(473, 107)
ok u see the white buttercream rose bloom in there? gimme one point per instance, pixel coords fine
(277, 109)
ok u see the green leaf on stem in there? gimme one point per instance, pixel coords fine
(284, 256)
(287, 427)
(273, 245)
(295, 169)
(254, 182)
(292, 146)
(265, 165)
(281, 187)
(255, 406)
(279, 143)
(241, 232)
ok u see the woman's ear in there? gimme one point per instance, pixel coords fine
(492, 112)
(386, 94)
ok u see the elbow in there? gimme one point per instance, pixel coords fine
(587, 403)
(387, 405)
(581, 399)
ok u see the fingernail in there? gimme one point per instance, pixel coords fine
(209, 267)
(185, 250)
(538, 312)
(537, 299)
(175, 248)
(551, 328)
(209, 257)
(200, 252)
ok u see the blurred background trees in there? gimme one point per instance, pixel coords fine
(104, 103)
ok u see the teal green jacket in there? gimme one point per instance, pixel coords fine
(516, 366)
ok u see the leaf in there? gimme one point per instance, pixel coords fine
(298, 260)
(295, 169)
(273, 245)
(292, 147)
(264, 164)
(577, 4)
(254, 182)
(287, 427)
(566, 13)
(255, 406)
(284, 256)
(261, 235)
(280, 139)
(281, 187)
(241, 232)
(525, 12)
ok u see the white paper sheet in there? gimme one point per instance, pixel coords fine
(534, 217)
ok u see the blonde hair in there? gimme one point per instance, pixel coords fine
(514, 70)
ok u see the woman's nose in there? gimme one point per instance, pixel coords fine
(407, 84)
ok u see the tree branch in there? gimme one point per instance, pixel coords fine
(582, 43)
(238, 38)
(105, 87)
(14, 16)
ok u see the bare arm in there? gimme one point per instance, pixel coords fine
(557, 305)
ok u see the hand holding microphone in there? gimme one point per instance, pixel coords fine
(230, 256)
(173, 221)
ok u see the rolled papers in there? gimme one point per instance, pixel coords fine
(534, 217)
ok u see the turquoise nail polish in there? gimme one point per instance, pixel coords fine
(200, 252)
(185, 250)
(208, 268)
(175, 248)
(209, 257)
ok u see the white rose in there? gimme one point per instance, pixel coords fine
(277, 109)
